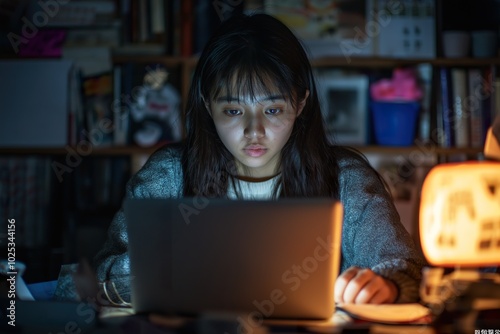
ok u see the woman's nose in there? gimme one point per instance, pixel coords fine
(254, 128)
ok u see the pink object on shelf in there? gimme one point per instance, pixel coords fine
(402, 87)
(46, 43)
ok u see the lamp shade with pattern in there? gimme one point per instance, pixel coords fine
(459, 219)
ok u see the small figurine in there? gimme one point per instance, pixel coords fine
(156, 111)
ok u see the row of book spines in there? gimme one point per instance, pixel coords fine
(25, 193)
(150, 21)
(468, 99)
(100, 183)
(182, 27)
(28, 192)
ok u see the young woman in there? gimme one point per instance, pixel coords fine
(255, 131)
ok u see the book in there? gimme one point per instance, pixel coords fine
(134, 21)
(98, 184)
(97, 102)
(425, 76)
(170, 27)
(144, 18)
(157, 9)
(120, 111)
(175, 8)
(461, 115)
(187, 22)
(24, 194)
(475, 107)
(205, 22)
(446, 105)
(125, 12)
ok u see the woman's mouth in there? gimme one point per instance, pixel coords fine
(255, 151)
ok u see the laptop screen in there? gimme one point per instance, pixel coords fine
(278, 259)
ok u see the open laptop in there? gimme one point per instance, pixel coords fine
(278, 259)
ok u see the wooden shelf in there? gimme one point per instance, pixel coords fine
(425, 149)
(362, 62)
(375, 62)
(473, 62)
(97, 151)
(138, 58)
(135, 150)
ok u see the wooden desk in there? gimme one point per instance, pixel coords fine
(226, 323)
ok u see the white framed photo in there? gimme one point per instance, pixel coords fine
(344, 105)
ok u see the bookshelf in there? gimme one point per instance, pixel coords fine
(98, 151)
(68, 218)
(146, 151)
(379, 62)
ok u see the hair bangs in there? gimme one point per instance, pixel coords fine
(247, 75)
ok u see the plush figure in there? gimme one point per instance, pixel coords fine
(156, 111)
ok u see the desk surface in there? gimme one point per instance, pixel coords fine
(340, 322)
(61, 317)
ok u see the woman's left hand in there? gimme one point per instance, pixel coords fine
(363, 286)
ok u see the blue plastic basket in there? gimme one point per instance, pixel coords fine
(395, 122)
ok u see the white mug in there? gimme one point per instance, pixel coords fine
(456, 44)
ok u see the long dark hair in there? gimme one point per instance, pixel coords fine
(262, 53)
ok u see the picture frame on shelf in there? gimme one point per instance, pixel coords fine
(344, 103)
(333, 28)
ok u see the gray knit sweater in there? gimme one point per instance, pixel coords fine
(372, 235)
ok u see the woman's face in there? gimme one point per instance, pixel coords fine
(255, 130)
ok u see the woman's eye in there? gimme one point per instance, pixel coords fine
(273, 111)
(232, 112)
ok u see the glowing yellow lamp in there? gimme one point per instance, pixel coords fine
(491, 146)
(460, 214)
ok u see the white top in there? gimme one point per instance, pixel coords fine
(252, 190)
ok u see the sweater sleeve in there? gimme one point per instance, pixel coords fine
(161, 177)
(373, 236)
